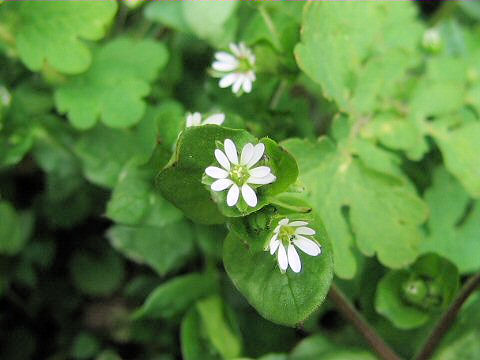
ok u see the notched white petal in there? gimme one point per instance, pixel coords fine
(215, 119)
(247, 85)
(274, 246)
(303, 230)
(222, 159)
(247, 153)
(224, 66)
(308, 246)
(262, 181)
(238, 83)
(225, 57)
(228, 80)
(249, 195)
(232, 196)
(216, 172)
(259, 172)
(283, 222)
(258, 151)
(231, 151)
(298, 223)
(282, 257)
(294, 259)
(221, 184)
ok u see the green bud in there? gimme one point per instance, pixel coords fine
(415, 291)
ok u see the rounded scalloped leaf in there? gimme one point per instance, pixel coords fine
(114, 87)
(284, 298)
(62, 25)
(408, 298)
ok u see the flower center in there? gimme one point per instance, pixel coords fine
(239, 174)
(244, 64)
(286, 235)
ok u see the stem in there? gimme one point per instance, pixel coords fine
(271, 27)
(278, 94)
(448, 318)
(369, 333)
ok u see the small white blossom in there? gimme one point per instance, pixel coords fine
(237, 173)
(288, 235)
(235, 70)
(432, 39)
(195, 119)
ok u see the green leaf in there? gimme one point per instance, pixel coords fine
(319, 347)
(210, 21)
(454, 223)
(113, 88)
(459, 149)
(389, 302)
(361, 198)
(85, 346)
(164, 248)
(97, 275)
(409, 298)
(217, 328)
(134, 200)
(284, 298)
(167, 13)
(104, 152)
(360, 46)
(62, 26)
(177, 295)
(180, 181)
(15, 229)
(17, 133)
(209, 332)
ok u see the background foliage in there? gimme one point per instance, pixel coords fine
(377, 104)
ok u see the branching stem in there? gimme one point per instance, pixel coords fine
(448, 318)
(369, 333)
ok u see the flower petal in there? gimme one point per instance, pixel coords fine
(298, 223)
(294, 259)
(216, 172)
(222, 159)
(215, 119)
(221, 184)
(223, 66)
(247, 153)
(194, 119)
(308, 246)
(247, 85)
(259, 172)
(235, 49)
(249, 195)
(263, 180)
(303, 230)
(281, 223)
(231, 151)
(273, 245)
(228, 80)
(232, 196)
(238, 83)
(282, 258)
(225, 57)
(258, 151)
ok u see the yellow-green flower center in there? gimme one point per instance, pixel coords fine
(286, 234)
(239, 174)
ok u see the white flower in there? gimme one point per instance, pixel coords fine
(235, 70)
(288, 235)
(236, 174)
(432, 39)
(195, 119)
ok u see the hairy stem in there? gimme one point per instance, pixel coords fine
(368, 332)
(280, 90)
(448, 318)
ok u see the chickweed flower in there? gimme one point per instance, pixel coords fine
(288, 235)
(237, 174)
(195, 119)
(235, 70)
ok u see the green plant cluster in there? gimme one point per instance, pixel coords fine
(113, 242)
